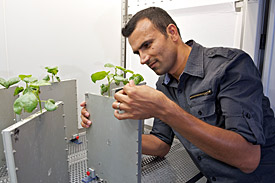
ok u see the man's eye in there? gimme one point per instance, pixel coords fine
(146, 45)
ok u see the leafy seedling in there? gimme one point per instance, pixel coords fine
(115, 77)
(30, 95)
(10, 82)
(52, 71)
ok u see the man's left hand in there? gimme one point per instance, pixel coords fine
(138, 102)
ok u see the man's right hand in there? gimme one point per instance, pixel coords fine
(86, 123)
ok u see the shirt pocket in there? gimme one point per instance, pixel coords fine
(205, 111)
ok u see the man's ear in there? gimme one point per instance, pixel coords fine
(173, 32)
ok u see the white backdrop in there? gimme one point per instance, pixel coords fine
(77, 36)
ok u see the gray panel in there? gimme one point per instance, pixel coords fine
(114, 146)
(36, 149)
(7, 116)
(62, 91)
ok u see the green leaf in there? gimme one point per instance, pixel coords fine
(132, 72)
(13, 81)
(50, 105)
(46, 78)
(57, 78)
(4, 83)
(28, 102)
(17, 107)
(109, 65)
(121, 68)
(120, 78)
(40, 83)
(125, 82)
(52, 70)
(99, 75)
(30, 79)
(104, 88)
(10, 82)
(22, 77)
(28, 89)
(18, 90)
(117, 82)
(137, 78)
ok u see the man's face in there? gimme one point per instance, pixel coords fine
(154, 49)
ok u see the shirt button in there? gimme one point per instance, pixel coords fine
(247, 115)
(213, 178)
(199, 158)
(199, 112)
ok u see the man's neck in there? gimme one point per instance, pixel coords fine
(183, 53)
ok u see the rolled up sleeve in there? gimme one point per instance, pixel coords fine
(162, 131)
(240, 98)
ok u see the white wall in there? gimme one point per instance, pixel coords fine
(77, 36)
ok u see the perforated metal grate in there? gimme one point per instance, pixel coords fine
(175, 167)
(3, 174)
(77, 159)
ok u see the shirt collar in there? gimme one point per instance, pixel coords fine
(194, 64)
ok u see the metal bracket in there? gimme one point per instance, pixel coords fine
(238, 5)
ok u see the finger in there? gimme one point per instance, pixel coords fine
(115, 104)
(85, 120)
(85, 113)
(131, 83)
(83, 104)
(122, 116)
(84, 125)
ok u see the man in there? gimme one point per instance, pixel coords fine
(210, 98)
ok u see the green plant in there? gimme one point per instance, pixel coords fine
(115, 77)
(30, 95)
(53, 71)
(9, 82)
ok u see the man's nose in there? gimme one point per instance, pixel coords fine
(144, 58)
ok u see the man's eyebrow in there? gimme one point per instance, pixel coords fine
(136, 52)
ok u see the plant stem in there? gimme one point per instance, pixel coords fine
(39, 101)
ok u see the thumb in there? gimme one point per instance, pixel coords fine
(131, 83)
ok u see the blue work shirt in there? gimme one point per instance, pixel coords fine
(222, 87)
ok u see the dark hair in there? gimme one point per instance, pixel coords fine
(159, 17)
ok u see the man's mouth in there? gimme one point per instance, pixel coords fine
(152, 64)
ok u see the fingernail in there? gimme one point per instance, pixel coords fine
(87, 126)
(89, 122)
(87, 114)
